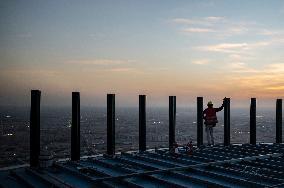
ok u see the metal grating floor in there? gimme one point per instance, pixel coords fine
(234, 166)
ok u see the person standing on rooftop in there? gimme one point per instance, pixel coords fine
(210, 117)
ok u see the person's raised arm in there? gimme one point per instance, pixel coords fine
(221, 107)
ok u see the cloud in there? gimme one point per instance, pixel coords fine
(235, 57)
(275, 68)
(214, 18)
(237, 65)
(224, 47)
(125, 69)
(197, 30)
(236, 30)
(234, 48)
(183, 21)
(265, 81)
(201, 62)
(241, 68)
(223, 27)
(206, 21)
(270, 69)
(275, 88)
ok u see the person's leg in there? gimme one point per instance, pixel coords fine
(208, 135)
(211, 135)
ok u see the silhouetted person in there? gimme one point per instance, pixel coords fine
(189, 148)
(210, 117)
(174, 150)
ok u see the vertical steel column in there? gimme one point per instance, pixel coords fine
(253, 121)
(142, 122)
(227, 121)
(279, 121)
(199, 121)
(75, 128)
(172, 120)
(35, 128)
(110, 124)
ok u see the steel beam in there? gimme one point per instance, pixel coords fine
(253, 121)
(199, 121)
(172, 120)
(110, 124)
(35, 128)
(142, 122)
(75, 128)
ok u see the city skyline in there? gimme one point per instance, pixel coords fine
(158, 48)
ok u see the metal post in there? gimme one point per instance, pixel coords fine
(227, 121)
(253, 121)
(172, 120)
(199, 121)
(110, 124)
(35, 128)
(279, 121)
(142, 122)
(75, 128)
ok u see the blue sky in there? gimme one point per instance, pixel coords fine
(159, 48)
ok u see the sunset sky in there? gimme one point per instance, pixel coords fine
(186, 48)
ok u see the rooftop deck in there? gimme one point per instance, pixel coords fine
(232, 166)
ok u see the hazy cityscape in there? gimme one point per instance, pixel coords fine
(56, 123)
